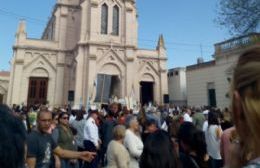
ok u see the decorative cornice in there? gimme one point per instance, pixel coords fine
(40, 48)
(106, 45)
(152, 57)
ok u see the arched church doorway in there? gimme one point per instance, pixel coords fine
(107, 88)
(146, 92)
(37, 93)
(38, 87)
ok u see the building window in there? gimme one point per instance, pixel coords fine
(104, 18)
(212, 101)
(115, 20)
(176, 73)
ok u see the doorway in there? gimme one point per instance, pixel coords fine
(211, 94)
(107, 87)
(212, 97)
(37, 93)
(146, 92)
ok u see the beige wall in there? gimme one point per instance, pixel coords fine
(197, 85)
(198, 78)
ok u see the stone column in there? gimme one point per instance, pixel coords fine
(91, 74)
(130, 70)
(16, 89)
(61, 57)
(60, 80)
(79, 77)
(164, 84)
(84, 21)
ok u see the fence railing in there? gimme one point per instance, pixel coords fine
(236, 43)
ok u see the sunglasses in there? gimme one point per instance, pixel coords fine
(65, 118)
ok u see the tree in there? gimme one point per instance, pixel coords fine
(239, 16)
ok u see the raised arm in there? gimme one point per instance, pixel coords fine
(85, 155)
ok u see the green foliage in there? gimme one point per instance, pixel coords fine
(239, 16)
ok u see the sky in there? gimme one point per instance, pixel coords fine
(188, 27)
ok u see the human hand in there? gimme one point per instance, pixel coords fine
(87, 156)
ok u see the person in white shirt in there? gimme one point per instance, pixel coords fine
(133, 142)
(91, 137)
(187, 115)
(213, 136)
(205, 124)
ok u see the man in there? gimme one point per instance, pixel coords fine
(12, 143)
(187, 115)
(198, 118)
(41, 146)
(91, 136)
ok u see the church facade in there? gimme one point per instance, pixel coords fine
(88, 52)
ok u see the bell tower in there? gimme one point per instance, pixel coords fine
(109, 21)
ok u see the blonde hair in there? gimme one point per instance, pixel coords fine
(119, 132)
(246, 81)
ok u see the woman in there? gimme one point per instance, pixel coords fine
(132, 141)
(213, 135)
(63, 136)
(246, 108)
(117, 155)
(193, 145)
(158, 151)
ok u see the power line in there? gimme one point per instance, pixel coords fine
(12, 14)
(39, 21)
(177, 43)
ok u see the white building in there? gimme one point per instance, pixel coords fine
(208, 83)
(177, 86)
(88, 51)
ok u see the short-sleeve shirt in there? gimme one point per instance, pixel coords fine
(41, 146)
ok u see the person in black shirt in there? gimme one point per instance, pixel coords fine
(41, 146)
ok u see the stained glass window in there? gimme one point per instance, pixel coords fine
(115, 20)
(104, 18)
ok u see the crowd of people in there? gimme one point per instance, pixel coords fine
(165, 136)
